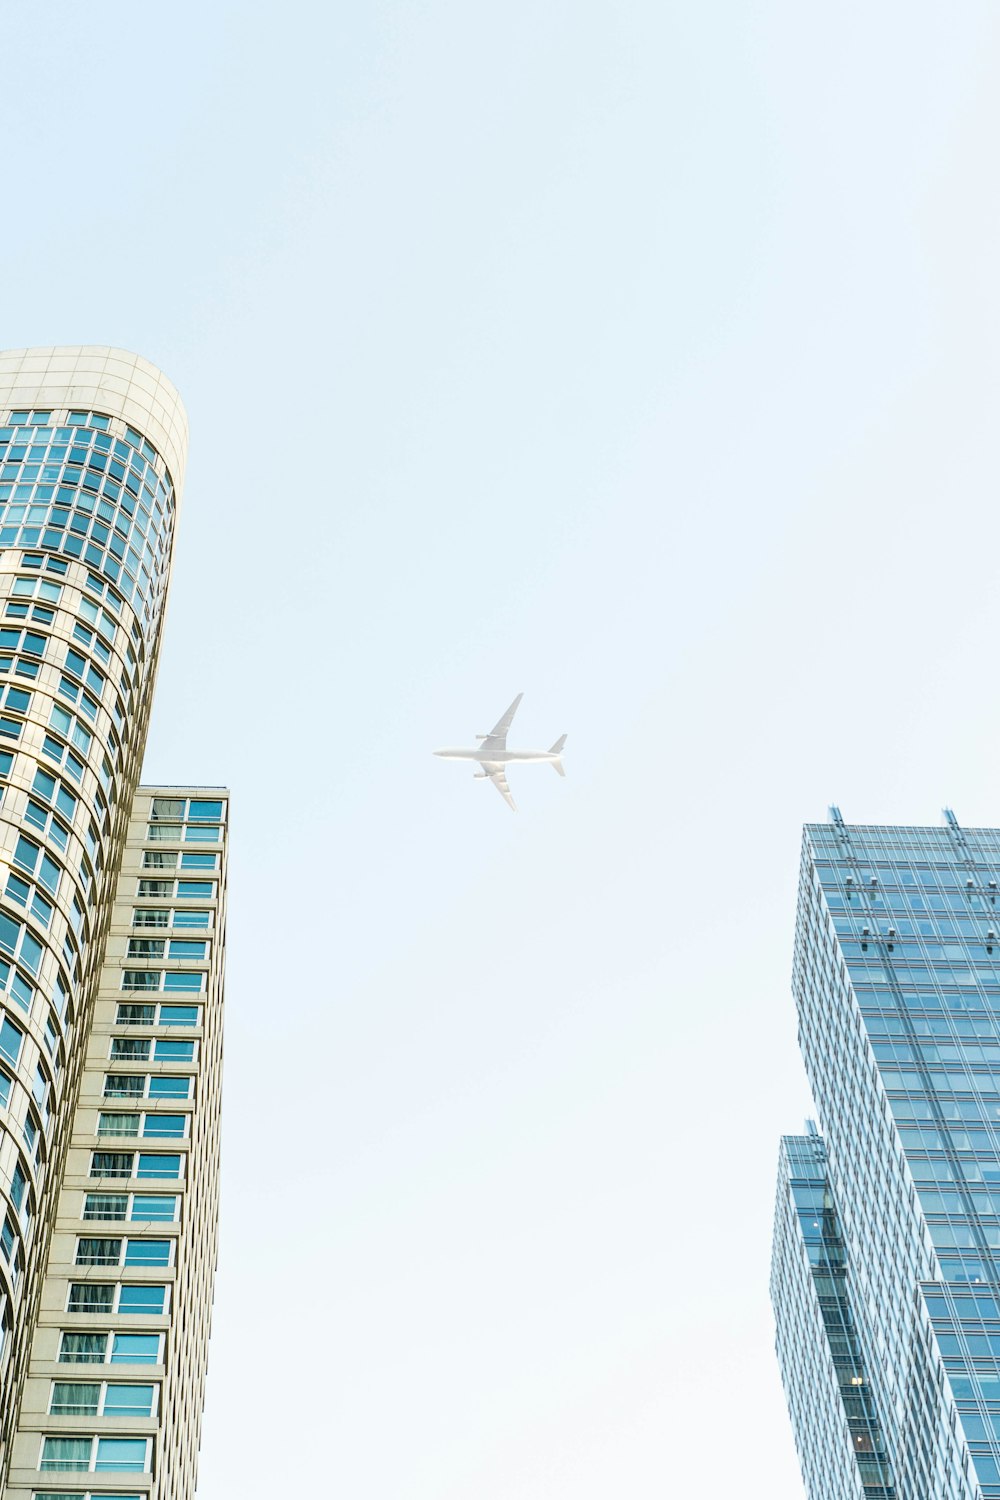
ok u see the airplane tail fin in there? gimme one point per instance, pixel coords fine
(557, 765)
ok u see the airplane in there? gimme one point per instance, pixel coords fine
(494, 757)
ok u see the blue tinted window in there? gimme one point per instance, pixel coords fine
(135, 1349)
(142, 1299)
(147, 1253)
(10, 1041)
(174, 1051)
(170, 1088)
(158, 1164)
(205, 809)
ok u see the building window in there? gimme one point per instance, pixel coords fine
(111, 1348)
(111, 1164)
(36, 588)
(199, 861)
(139, 1208)
(83, 1349)
(173, 948)
(154, 1208)
(142, 1125)
(108, 1124)
(117, 1252)
(95, 1455)
(98, 1252)
(101, 1399)
(177, 980)
(107, 1297)
(142, 1086)
(159, 859)
(158, 1164)
(91, 1297)
(158, 1015)
(30, 857)
(106, 1206)
(10, 1041)
(143, 1300)
(199, 890)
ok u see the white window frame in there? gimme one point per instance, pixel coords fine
(95, 1439)
(102, 1397)
(109, 1344)
(113, 1311)
(131, 1217)
(159, 1098)
(177, 997)
(122, 1262)
(142, 1116)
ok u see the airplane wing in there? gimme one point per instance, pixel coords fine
(497, 737)
(498, 775)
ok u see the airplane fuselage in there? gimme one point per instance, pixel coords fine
(497, 757)
(492, 755)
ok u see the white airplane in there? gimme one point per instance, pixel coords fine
(493, 756)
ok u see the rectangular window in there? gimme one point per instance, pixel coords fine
(190, 918)
(121, 1455)
(111, 1164)
(147, 947)
(143, 1300)
(184, 949)
(180, 981)
(199, 861)
(148, 1253)
(141, 979)
(124, 1086)
(136, 1015)
(202, 833)
(167, 807)
(176, 1052)
(128, 1400)
(164, 833)
(157, 1164)
(164, 1126)
(107, 1206)
(10, 1041)
(138, 1086)
(64, 1455)
(91, 1297)
(154, 1208)
(160, 859)
(180, 1015)
(136, 1348)
(98, 1252)
(75, 1400)
(156, 916)
(118, 1124)
(169, 1086)
(83, 1348)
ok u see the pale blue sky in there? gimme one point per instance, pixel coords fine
(643, 357)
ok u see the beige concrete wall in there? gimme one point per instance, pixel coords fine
(179, 1376)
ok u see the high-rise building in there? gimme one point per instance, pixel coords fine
(112, 947)
(886, 1266)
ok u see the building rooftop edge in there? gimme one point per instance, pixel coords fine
(118, 381)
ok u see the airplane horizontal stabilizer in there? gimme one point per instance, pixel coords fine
(557, 765)
(557, 748)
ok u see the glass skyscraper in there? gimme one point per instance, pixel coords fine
(886, 1263)
(112, 945)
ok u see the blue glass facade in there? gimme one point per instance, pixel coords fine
(897, 983)
(102, 498)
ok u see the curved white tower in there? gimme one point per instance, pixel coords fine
(93, 444)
